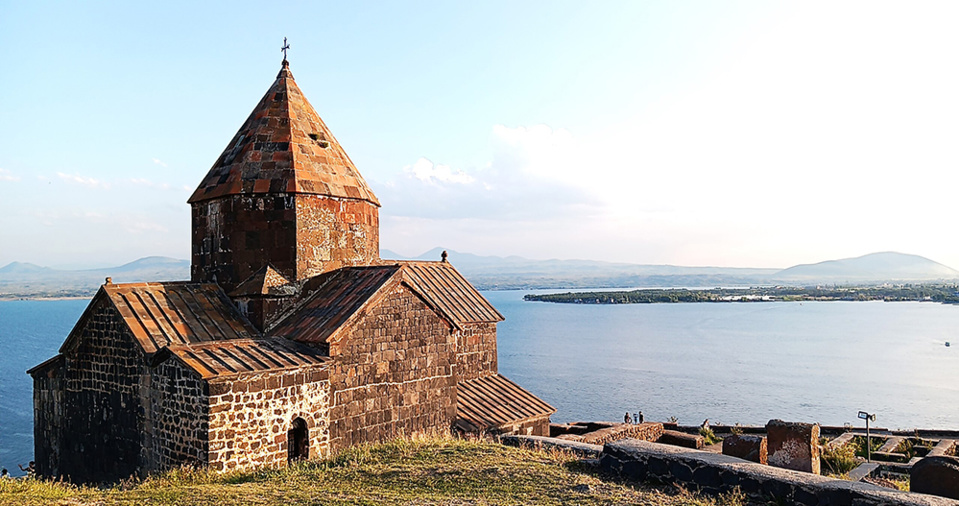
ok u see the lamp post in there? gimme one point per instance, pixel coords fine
(868, 417)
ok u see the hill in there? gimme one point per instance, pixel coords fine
(875, 267)
(24, 280)
(513, 272)
(438, 470)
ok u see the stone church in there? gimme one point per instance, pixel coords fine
(292, 340)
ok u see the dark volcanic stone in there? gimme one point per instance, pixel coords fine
(936, 476)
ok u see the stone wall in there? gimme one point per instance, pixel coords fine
(301, 235)
(536, 426)
(250, 416)
(234, 236)
(176, 416)
(715, 473)
(48, 417)
(476, 351)
(101, 403)
(392, 374)
(333, 233)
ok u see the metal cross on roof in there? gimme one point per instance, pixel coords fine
(284, 48)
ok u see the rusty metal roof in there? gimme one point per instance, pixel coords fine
(163, 314)
(226, 358)
(340, 294)
(284, 147)
(265, 282)
(494, 401)
(452, 294)
(337, 297)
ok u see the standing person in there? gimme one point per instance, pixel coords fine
(627, 419)
(641, 416)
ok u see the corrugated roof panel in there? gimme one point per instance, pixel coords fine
(451, 292)
(165, 314)
(225, 358)
(494, 401)
(339, 295)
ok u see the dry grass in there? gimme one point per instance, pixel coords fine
(422, 470)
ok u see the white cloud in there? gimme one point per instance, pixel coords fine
(159, 162)
(84, 181)
(6, 175)
(516, 184)
(428, 172)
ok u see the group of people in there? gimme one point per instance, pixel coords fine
(636, 418)
(31, 469)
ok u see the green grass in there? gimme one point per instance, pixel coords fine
(709, 437)
(423, 470)
(838, 460)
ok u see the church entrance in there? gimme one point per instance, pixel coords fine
(298, 441)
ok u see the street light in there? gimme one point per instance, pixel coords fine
(868, 417)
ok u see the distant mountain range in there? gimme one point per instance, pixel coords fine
(25, 280)
(491, 272)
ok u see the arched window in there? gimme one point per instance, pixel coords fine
(298, 441)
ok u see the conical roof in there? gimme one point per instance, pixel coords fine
(284, 146)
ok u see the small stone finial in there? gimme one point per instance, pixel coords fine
(284, 48)
(443, 256)
(109, 280)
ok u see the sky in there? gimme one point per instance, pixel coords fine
(736, 134)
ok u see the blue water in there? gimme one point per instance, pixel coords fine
(739, 362)
(731, 363)
(30, 332)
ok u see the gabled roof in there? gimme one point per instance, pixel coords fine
(339, 295)
(493, 401)
(452, 294)
(170, 313)
(227, 358)
(284, 147)
(266, 281)
(342, 294)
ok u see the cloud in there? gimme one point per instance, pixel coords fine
(159, 162)
(428, 172)
(519, 182)
(84, 181)
(5, 175)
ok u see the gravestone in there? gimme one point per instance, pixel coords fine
(936, 476)
(793, 445)
(747, 447)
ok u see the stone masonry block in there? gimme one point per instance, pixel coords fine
(793, 445)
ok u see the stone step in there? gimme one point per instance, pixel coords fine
(841, 440)
(943, 448)
(891, 444)
(863, 471)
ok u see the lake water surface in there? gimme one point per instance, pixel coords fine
(731, 363)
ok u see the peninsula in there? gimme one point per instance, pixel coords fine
(946, 293)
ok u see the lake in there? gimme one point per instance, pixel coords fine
(732, 363)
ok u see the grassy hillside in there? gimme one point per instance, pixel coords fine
(434, 470)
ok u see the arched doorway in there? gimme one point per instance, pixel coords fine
(298, 441)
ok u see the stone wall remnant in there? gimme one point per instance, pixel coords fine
(747, 447)
(936, 476)
(793, 445)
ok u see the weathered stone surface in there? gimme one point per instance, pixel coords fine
(538, 442)
(746, 447)
(936, 476)
(793, 445)
(676, 438)
(649, 431)
(716, 473)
